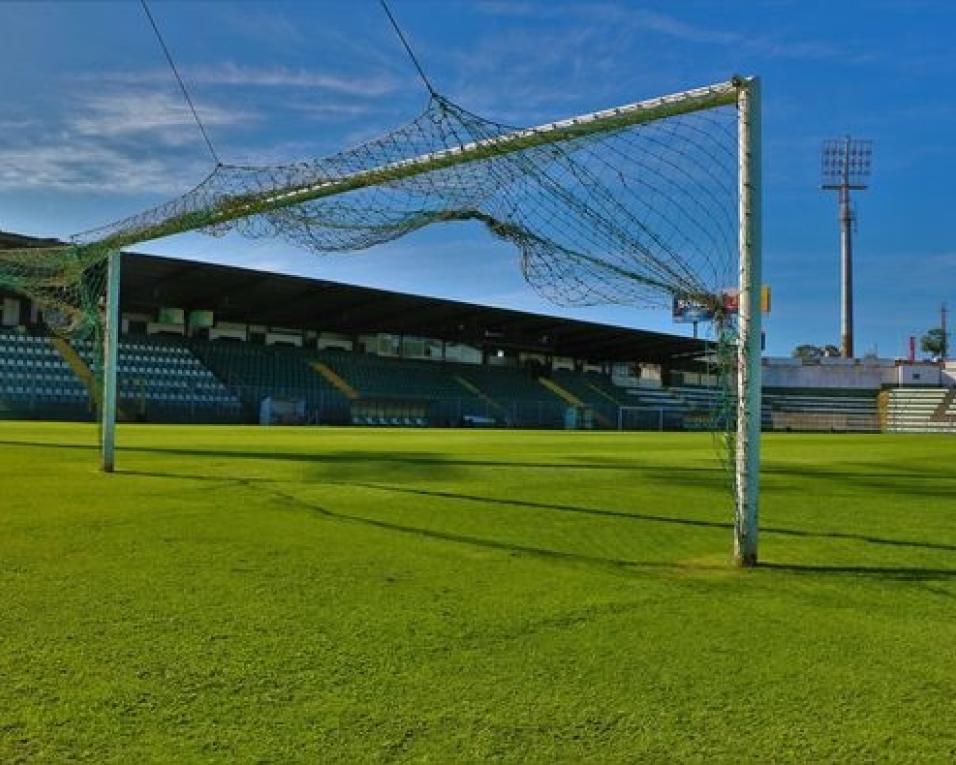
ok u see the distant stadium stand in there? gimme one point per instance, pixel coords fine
(920, 410)
(160, 380)
(384, 358)
(407, 392)
(254, 372)
(36, 382)
(819, 409)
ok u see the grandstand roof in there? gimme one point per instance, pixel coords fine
(244, 295)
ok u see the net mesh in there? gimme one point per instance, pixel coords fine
(631, 215)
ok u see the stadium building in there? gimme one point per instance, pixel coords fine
(211, 343)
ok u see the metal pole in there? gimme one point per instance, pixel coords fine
(846, 260)
(747, 457)
(110, 350)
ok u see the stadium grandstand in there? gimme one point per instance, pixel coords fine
(210, 343)
(207, 343)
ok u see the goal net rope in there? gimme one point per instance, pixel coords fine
(628, 206)
(636, 205)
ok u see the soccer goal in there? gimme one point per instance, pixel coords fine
(637, 205)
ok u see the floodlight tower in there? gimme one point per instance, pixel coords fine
(846, 168)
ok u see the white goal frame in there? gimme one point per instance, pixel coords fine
(744, 92)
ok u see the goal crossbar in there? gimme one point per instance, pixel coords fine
(744, 92)
(606, 120)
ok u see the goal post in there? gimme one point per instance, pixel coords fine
(747, 445)
(108, 395)
(210, 207)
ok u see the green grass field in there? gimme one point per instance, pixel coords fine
(369, 595)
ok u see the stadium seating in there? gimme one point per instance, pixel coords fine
(816, 409)
(255, 372)
(595, 390)
(402, 391)
(921, 410)
(178, 380)
(160, 380)
(659, 409)
(522, 401)
(454, 393)
(383, 377)
(35, 382)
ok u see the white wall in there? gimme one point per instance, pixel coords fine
(282, 338)
(919, 374)
(562, 362)
(462, 353)
(524, 357)
(949, 374)
(155, 328)
(864, 374)
(334, 340)
(413, 347)
(228, 332)
(827, 373)
(651, 374)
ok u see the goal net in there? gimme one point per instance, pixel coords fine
(633, 205)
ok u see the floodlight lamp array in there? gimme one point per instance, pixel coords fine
(846, 162)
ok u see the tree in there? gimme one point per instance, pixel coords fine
(933, 342)
(810, 352)
(807, 352)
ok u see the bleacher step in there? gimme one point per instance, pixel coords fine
(943, 412)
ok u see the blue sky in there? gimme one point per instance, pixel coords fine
(93, 127)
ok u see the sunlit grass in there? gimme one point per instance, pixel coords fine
(320, 594)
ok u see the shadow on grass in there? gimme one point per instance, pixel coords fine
(653, 518)
(685, 476)
(267, 485)
(615, 564)
(926, 483)
(934, 484)
(882, 572)
(366, 456)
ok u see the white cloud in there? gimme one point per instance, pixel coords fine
(262, 25)
(86, 165)
(130, 112)
(280, 76)
(329, 110)
(16, 124)
(514, 9)
(628, 16)
(231, 74)
(670, 26)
